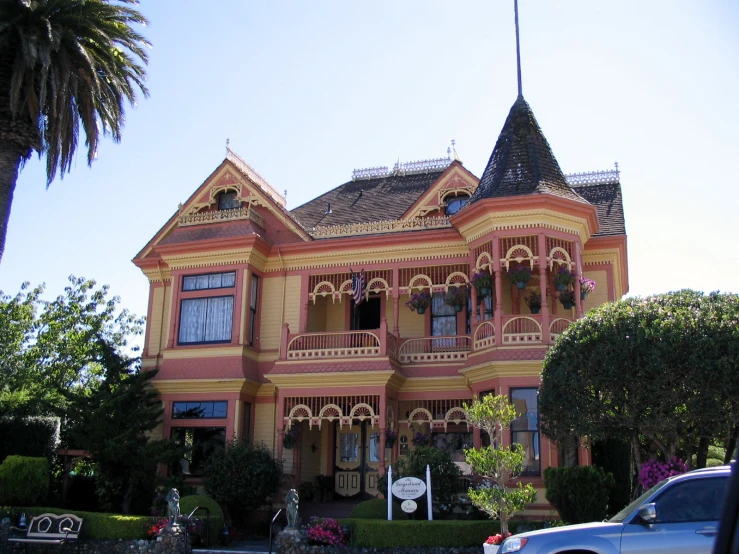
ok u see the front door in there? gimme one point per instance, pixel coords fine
(357, 458)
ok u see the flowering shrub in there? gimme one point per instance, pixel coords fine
(195, 527)
(653, 471)
(586, 286)
(326, 531)
(563, 276)
(420, 300)
(153, 530)
(497, 539)
(519, 274)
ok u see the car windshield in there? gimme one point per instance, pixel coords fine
(623, 514)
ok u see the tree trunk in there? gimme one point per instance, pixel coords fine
(701, 456)
(731, 444)
(10, 160)
(128, 497)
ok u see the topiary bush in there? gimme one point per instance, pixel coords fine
(371, 533)
(580, 494)
(23, 481)
(215, 522)
(376, 508)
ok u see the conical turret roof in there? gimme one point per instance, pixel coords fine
(522, 161)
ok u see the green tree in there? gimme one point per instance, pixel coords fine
(64, 64)
(497, 464)
(659, 372)
(51, 349)
(241, 476)
(112, 422)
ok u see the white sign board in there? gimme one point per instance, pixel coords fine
(409, 487)
(409, 506)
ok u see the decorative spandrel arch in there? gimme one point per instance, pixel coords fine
(331, 413)
(378, 285)
(519, 253)
(484, 261)
(324, 288)
(420, 282)
(456, 415)
(560, 256)
(420, 415)
(362, 412)
(345, 288)
(457, 279)
(298, 413)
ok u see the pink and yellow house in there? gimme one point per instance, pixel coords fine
(258, 333)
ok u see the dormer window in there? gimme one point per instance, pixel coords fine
(227, 200)
(455, 203)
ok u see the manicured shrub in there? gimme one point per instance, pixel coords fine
(580, 494)
(215, 520)
(23, 480)
(368, 533)
(98, 526)
(377, 509)
(28, 436)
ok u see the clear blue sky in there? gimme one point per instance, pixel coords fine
(308, 91)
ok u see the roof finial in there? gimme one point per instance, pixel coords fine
(228, 141)
(518, 50)
(454, 149)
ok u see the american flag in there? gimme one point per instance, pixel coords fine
(358, 285)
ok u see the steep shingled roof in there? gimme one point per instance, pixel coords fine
(606, 197)
(522, 161)
(366, 200)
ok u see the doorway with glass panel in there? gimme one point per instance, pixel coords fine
(357, 460)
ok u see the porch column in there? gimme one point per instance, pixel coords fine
(475, 316)
(303, 323)
(280, 412)
(578, 274)
(396, 302)
(382, 450)
(541, 246)
(498, 314)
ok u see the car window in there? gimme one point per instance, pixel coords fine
(694, 500)
(628, 510)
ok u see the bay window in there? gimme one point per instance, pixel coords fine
(525, 428)
(206, 319)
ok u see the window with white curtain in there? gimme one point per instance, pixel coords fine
(205, 320)
(443, 321)
(209, 281)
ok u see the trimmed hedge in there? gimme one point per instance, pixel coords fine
(367, 533)
(215, 523)
(23, 480)
(580, 494)
(100, 526)
(28, 436)
(376, 508)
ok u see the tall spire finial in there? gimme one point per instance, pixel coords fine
(228, 142)
(518, 50)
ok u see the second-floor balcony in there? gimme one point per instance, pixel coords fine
(515, 330)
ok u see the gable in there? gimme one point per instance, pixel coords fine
(456, 180)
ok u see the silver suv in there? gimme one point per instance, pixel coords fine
(680, 514)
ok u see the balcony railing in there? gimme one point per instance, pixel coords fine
(516, 330)
(435, 349)
(347, 344)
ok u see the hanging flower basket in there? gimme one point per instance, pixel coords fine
(419, 302)
(457, 297)
(519, 276)
(568, 299)
(533, 301)
(290, 438)
(483, 282)
(563, 278)
(390, 438)
(586, 287)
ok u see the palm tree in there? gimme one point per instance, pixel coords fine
(63, 64)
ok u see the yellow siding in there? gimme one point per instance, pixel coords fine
(264, 425)
(293, 303)
(317, 315)
(507, 298)
(310, 461)
(335, 318)
(410, 323)
(160, 308)
(600, 295)
(270, 322)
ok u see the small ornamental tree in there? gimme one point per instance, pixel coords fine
(495, 463)
(242, 476)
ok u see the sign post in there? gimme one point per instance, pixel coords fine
(428, 493)
(390, 493)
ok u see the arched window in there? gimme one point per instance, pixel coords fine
(227, 200)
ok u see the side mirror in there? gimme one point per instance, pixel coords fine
(648, 513)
